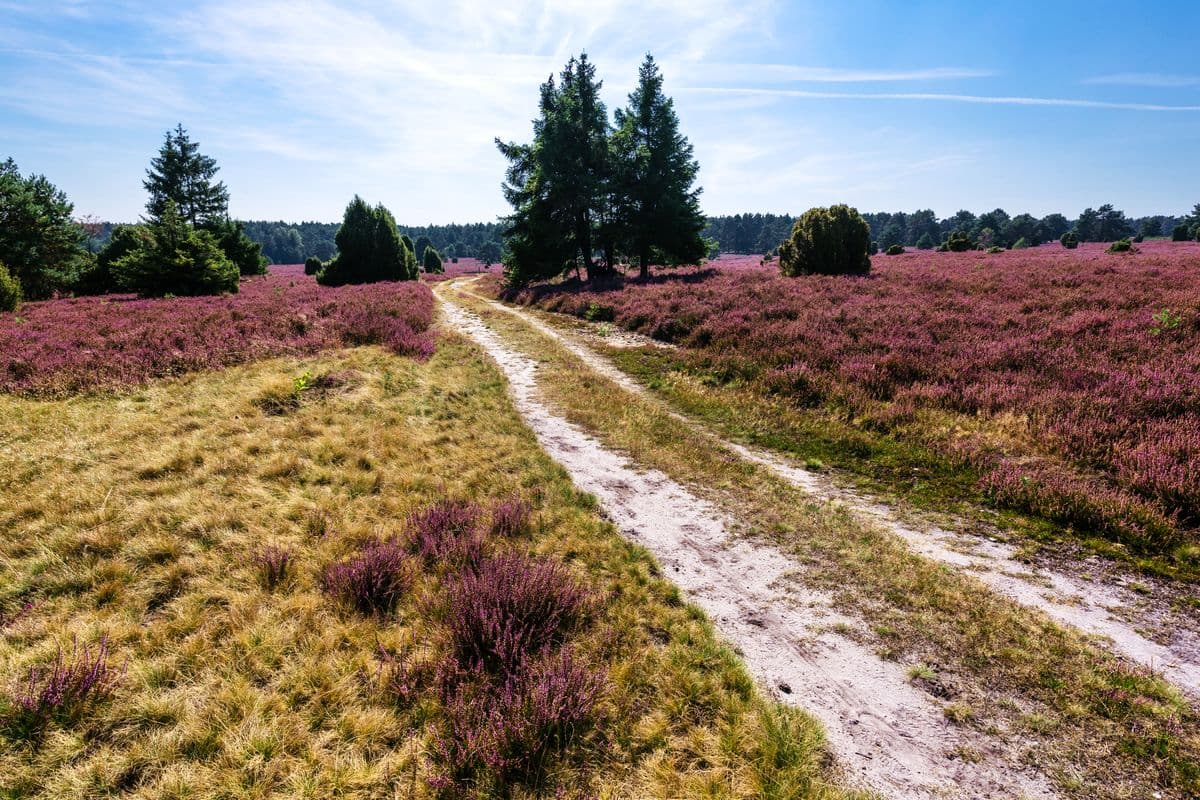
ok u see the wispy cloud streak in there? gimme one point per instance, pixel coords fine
(942, 97)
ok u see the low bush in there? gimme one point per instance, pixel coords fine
(499, 732)
(1021, 244)
(10, 291)
(1120, 246)
(960, 242)
(895, 250)
(312, 265)
(510, 517)
(372, 581)
(274, 565)
(994, 249)
(1139, 239)
(1180, 233)
(72, 681)
(827, 241)
(926, 242)
(509, 609)
(446, 533)
(1069, 240)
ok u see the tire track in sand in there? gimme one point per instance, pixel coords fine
(889, 736)
(1111, 610)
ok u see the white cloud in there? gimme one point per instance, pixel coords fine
(939, 97)
(1147, 79)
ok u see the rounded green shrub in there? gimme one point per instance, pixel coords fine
(895, 250)
(10, 290)
(1069, 240)
(926, 242)
(432, 262)
(1120, 246)
(960, 242)
(1179, 233)
(827, 241)
(312, 265)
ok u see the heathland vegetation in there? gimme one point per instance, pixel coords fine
(286, 531)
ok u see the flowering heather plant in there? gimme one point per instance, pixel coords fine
(72, 345)
(1069, 344)
(447, 533)
(274, 564)
(509, 609)
(71, 682)
(498, 733)
(511, 516)
(372, 581)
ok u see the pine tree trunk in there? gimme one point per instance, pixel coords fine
(644, 258)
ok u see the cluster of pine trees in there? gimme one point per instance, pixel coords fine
(187, 245)
(587, 192)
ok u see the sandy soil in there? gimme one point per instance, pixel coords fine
(889, 735)
(1132, 615)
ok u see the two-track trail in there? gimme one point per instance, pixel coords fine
(888, 735)
(1099, 601)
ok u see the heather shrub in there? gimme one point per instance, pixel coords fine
(312, 265)
(1120, 246)
(960, 242)
(446, 533)
(1069, 240)
(509, 609)
(372, 581)
(274, 564)
(1074, 502)
(10, 291)
(827, 241)
(510, 517)
(497, 733)
(895, 250)
(70, 683)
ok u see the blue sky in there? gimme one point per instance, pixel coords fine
(1031, 106)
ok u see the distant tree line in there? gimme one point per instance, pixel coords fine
(762, 233)
(293, 242)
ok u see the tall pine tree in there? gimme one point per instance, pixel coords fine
(658, 204)
(181, 174)
(557, 185)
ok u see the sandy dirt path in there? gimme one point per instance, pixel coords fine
(1137, 624)
(889, 736)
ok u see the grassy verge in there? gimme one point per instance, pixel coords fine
(1100, 728)
(140, 518)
